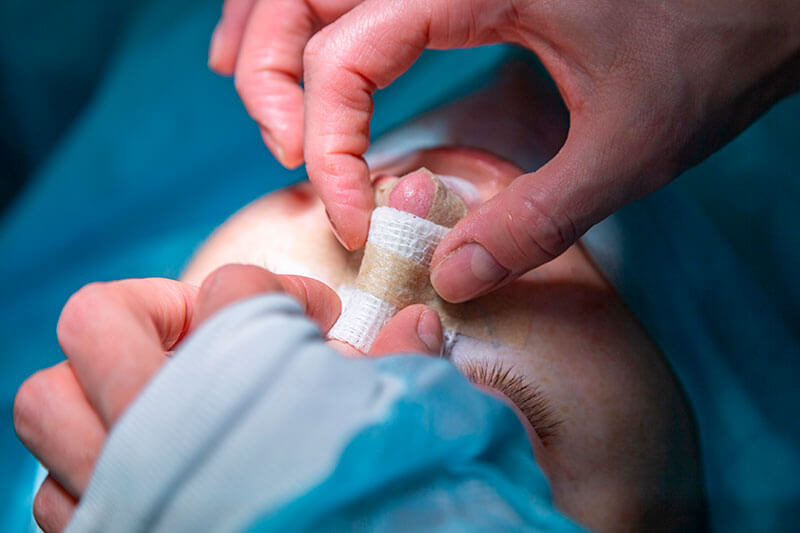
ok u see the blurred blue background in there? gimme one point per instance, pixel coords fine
(120, 151)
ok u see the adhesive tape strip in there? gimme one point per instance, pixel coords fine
(397, 240)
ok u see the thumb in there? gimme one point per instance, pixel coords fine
(415, 329)
(531, 222)
(234, 282)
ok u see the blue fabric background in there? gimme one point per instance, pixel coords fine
(136, 152)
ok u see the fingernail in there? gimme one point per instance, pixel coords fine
(335, 230)
(429, 329)
(273, 146)
(467, 272)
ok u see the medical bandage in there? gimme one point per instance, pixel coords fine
(394, 273)
(395, 269)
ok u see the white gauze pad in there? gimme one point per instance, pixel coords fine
(395, 238)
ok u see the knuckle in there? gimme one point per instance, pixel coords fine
(323, 49)
(535, 231)
(338, 177)
(315, 47)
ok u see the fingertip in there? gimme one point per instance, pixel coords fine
(466, 273)
(429, 329)
(221, 55)
(53, 506)
(227, 36)
(415, 329)
(214, 50)
(229, 284)
(342, 182)
(350, 226)
(320, 302)
(289, 158)
(345, 349)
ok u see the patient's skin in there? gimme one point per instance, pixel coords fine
(623, 455)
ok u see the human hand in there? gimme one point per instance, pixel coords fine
(651, 88)
(116, 336)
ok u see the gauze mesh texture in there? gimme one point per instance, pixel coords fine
(405, 235)
(363, 316)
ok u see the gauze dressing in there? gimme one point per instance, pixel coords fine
(395, 269)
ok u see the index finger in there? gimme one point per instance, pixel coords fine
(345, 63)
(116, 336)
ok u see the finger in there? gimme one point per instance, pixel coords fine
(415, 329)
(116, 335)
(55, 421)
(231, 283)
(270, 67)
(531, 222)
(53, 506)
(227, 36)
(366, 49)
(320, 303)
(269, 70)
(344, 349)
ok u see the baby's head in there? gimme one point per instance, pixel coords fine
(608, 422)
